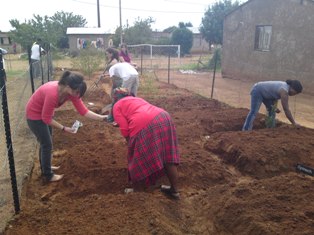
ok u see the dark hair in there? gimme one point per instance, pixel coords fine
(74, 80)
(295, 85)
(126, 48)
(114, 52)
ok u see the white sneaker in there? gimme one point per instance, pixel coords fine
(128, 190)
(56, 178)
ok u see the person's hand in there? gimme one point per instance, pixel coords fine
(104, 117)
(69, 130)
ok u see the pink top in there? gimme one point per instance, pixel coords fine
(125, 56)
(133, 114)
(42, 104)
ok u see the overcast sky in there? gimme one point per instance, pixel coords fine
(166, 13)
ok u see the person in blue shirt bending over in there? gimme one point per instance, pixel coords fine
(268, 93)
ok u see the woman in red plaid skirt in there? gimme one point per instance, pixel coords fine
(151, 138)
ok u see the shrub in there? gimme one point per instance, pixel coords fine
(88, 61)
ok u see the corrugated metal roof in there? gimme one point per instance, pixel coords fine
(82, 30)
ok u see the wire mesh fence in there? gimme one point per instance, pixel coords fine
(17, 144)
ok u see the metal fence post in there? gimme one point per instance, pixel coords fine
(141, 61)
(6, 120)
(41, 65)
(169, 68)
(214, 75)
(49, 62)
(31, 75)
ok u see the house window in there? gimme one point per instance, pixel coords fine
(262, 37)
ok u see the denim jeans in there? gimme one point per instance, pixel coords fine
(43, 133)
(256, 101)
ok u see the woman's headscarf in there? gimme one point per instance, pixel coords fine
(119, 93)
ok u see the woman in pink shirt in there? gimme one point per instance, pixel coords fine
(151, 138)
(124, 55)
(40, 111)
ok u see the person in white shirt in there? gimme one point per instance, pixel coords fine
(36, 52)
(127, 74)
(123, 75)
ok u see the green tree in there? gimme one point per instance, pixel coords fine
(49, 29)
(63, 20)
(117, 37)
(184, 38)
(24, 35)
(184, 25)
(140, 32)
(212, 22)
(162, 41)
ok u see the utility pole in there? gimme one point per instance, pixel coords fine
(121, 31)
(98, 13)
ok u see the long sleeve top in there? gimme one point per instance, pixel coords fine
(42, 104)
(133, 114)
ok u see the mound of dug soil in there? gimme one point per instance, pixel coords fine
(231, 182)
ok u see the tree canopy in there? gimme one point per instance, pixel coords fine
(49, 29)
(139, 33)
(183, 37)
(212, 22)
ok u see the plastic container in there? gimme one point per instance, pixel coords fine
(76, 125)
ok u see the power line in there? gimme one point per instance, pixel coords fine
(143, 10)
(192, 3)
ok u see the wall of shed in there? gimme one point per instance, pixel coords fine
(291, 52)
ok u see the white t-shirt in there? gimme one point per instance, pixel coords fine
(35, 52)
(123, 70)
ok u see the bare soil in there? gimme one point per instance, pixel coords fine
(231, 182)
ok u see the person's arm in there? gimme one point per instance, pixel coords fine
(95, 116)
(121, 59)
(81, 108)
(89, 114)
(285, 105)
(57, 125)
(121, 120)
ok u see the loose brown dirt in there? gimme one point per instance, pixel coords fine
(231, 182)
